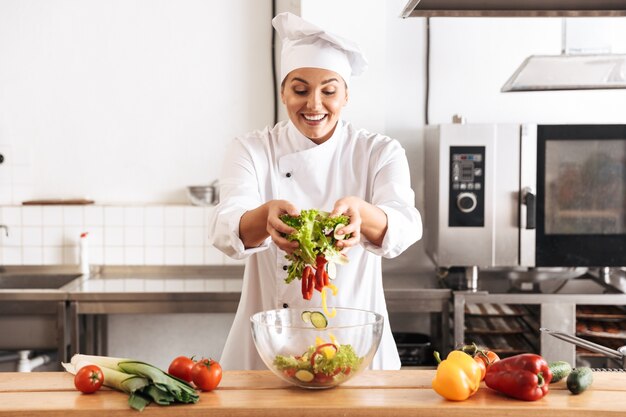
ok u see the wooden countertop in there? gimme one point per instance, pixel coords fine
(260, 393)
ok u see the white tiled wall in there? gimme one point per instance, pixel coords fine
(117, 235)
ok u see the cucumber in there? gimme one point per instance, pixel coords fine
(579, 380)
(304, 375)
(331, 270)
(319, 320)
(336, 235)
(560, 370)
(306, 316)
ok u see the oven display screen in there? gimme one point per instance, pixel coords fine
(585, 187)
(467, 172)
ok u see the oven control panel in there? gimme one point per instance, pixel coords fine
(467, 186)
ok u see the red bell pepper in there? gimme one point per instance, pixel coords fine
(525, 377)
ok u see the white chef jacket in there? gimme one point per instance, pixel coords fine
(281, 163)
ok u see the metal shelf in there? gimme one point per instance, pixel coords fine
(557, 312)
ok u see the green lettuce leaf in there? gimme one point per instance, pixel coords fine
(315, 235)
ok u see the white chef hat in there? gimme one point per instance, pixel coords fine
(307, 46)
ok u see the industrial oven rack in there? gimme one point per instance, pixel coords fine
(556, 312)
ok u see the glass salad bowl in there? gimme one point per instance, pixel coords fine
(308, 354)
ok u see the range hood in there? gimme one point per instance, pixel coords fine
(569, 72)
(514, 8)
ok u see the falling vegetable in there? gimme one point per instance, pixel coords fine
(332, 313)
(316, 234)
(145, 383)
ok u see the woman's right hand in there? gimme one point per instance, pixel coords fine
(276, 227)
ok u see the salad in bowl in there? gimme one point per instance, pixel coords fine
(310, 350)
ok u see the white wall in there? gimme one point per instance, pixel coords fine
(127, 100)
(471, 58)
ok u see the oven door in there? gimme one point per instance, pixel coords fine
(581, 196)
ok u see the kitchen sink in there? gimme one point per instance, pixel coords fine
(35, 281)
(33, 310)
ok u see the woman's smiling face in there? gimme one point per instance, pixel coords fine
(314, 98)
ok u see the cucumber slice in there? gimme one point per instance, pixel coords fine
(337, 236)
(306, 316)
(318, 320)
(331, 270)
(304, 375)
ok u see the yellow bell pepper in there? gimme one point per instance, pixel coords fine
(458, 377)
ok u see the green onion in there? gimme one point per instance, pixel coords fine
(145, 383)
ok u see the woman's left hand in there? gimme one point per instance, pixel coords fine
(349, 206)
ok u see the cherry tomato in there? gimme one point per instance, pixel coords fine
(484, 357)
(488, 357)
(482, 365)
(206, 374)
(88, 379)
(181, 368)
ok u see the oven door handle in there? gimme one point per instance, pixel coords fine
(530, 200)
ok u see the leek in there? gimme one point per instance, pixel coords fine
(145, 383)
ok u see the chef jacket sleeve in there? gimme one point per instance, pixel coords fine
(239, 192)
(392, 193)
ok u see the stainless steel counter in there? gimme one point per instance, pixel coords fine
(82, 305)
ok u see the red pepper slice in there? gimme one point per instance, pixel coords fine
(318, 351)
(326, 278)
(304, 282)
(307, 281)
(319, 279)
(319, 273)
(310, 283)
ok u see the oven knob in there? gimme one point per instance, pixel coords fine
(466, 202)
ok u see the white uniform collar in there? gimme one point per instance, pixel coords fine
(302, 143)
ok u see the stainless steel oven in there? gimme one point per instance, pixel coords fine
(506, 195)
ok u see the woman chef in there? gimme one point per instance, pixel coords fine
(315, 160)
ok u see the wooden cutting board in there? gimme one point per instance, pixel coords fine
(261, 394)
(58, 202)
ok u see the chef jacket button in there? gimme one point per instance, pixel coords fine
(288, 175)
(285, 305)
(285, 267)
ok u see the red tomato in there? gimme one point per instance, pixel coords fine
(206, 374)
(323, 378)
(482, 365)
(181, 368)
(88, 379)
(488, 357)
